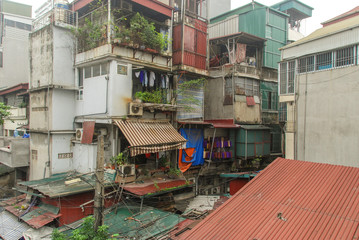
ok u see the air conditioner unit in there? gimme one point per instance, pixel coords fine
(134, 110)
(79, 133)
(128, 169)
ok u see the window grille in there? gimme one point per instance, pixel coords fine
(282, 112)
(283, 78)
(291, 76)
(324, 61)
(344, 56)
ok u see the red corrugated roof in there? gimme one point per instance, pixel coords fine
(289, 199)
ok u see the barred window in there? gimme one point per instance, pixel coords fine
(291, 76)
(306, 64)
(283, 78)
(324, 61)
(344, 57)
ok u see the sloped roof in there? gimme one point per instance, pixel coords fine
(289, 199)
(327, 31)
(346, 14)
(56, 185)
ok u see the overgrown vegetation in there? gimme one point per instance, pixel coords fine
(4, 112)
(150, 97)
(85, 232)
(186, 96)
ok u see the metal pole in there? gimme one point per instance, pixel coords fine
(99, 190)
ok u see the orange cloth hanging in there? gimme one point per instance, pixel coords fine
(184, 166)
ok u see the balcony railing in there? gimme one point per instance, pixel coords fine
(58, 16)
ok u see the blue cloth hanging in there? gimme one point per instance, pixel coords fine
(195, 140)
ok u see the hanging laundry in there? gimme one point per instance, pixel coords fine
(137, 74)
(142, 78)
(167, 82)
(152, 79)
(163, 81)
(146, 79)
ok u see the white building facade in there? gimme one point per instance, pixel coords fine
(318, 95)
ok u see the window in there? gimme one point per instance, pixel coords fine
(282, 112)
(246, 86)
(80, 94)
(291, 76)
(283, 78)
(344, 57)
(19, 25)
(81, 77)
(306, 64)
(1, 59)
(324, 61)
(34, 155)
(10, 23)
(88, 72)
(96, 70)
(104, 68)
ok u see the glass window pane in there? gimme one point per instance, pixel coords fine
(104, 68)
(87, 72)
(96, 70)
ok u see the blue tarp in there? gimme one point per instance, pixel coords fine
(195, 140)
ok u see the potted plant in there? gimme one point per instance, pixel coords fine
(120, 159)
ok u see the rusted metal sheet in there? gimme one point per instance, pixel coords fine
(290, 199)
(142, 189)
(156, 6)
(88, 130)
(148, 136)
(250, 101)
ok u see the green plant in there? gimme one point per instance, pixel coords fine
(186, 96)
(156, 185)
(120, 159)
(4, 112)
(174, 171)
(163, 161)
(150, 97)
(86, 231)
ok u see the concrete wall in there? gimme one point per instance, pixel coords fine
(18, 153)
(41, 57)
(63, 109)
(39, 107)
(39, 156)
(15, 48)
(213, 101)
(61, 143)
(120, 89)
(328, 117)
(247, 114)
(84, 157)
(63, 57)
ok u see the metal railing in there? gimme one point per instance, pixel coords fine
(58, 16)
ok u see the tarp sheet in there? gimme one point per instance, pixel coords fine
(195, 140)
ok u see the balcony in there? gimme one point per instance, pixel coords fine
(58, 16)
(15, 152)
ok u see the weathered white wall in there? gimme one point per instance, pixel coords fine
(41, 57)
(289, 145)
(39, 115)
(120, 89)
(18, 153)
(247, 114)
(328, 117)
(15, 48)
(61, 143)
(63, 110)
(39, 143)
(94, 96)
(63, 58)
(84, 157)
(213, 101)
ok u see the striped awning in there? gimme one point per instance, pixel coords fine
(150, 136)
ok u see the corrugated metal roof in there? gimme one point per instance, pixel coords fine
(255, 127)
(149, 136)
(346, 14)
(36, 216)
(289, 199)
(55, 185)
(10, 227)
(327, 31)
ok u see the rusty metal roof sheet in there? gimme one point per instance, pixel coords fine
(36, 216)
(56, 185)
(149, 136)
(289, 199)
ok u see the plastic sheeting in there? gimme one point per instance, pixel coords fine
(195, 140)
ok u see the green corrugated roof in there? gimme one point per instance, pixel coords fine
(55, 186)
(327, 31)
(130, 223)
(17, 8)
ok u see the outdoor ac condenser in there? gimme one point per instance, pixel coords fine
(79, 133)
(128, 169)
(134, 110)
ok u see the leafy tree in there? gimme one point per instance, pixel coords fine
(4, 112)
(85, 232)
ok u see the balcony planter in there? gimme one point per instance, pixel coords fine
(150, 50)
